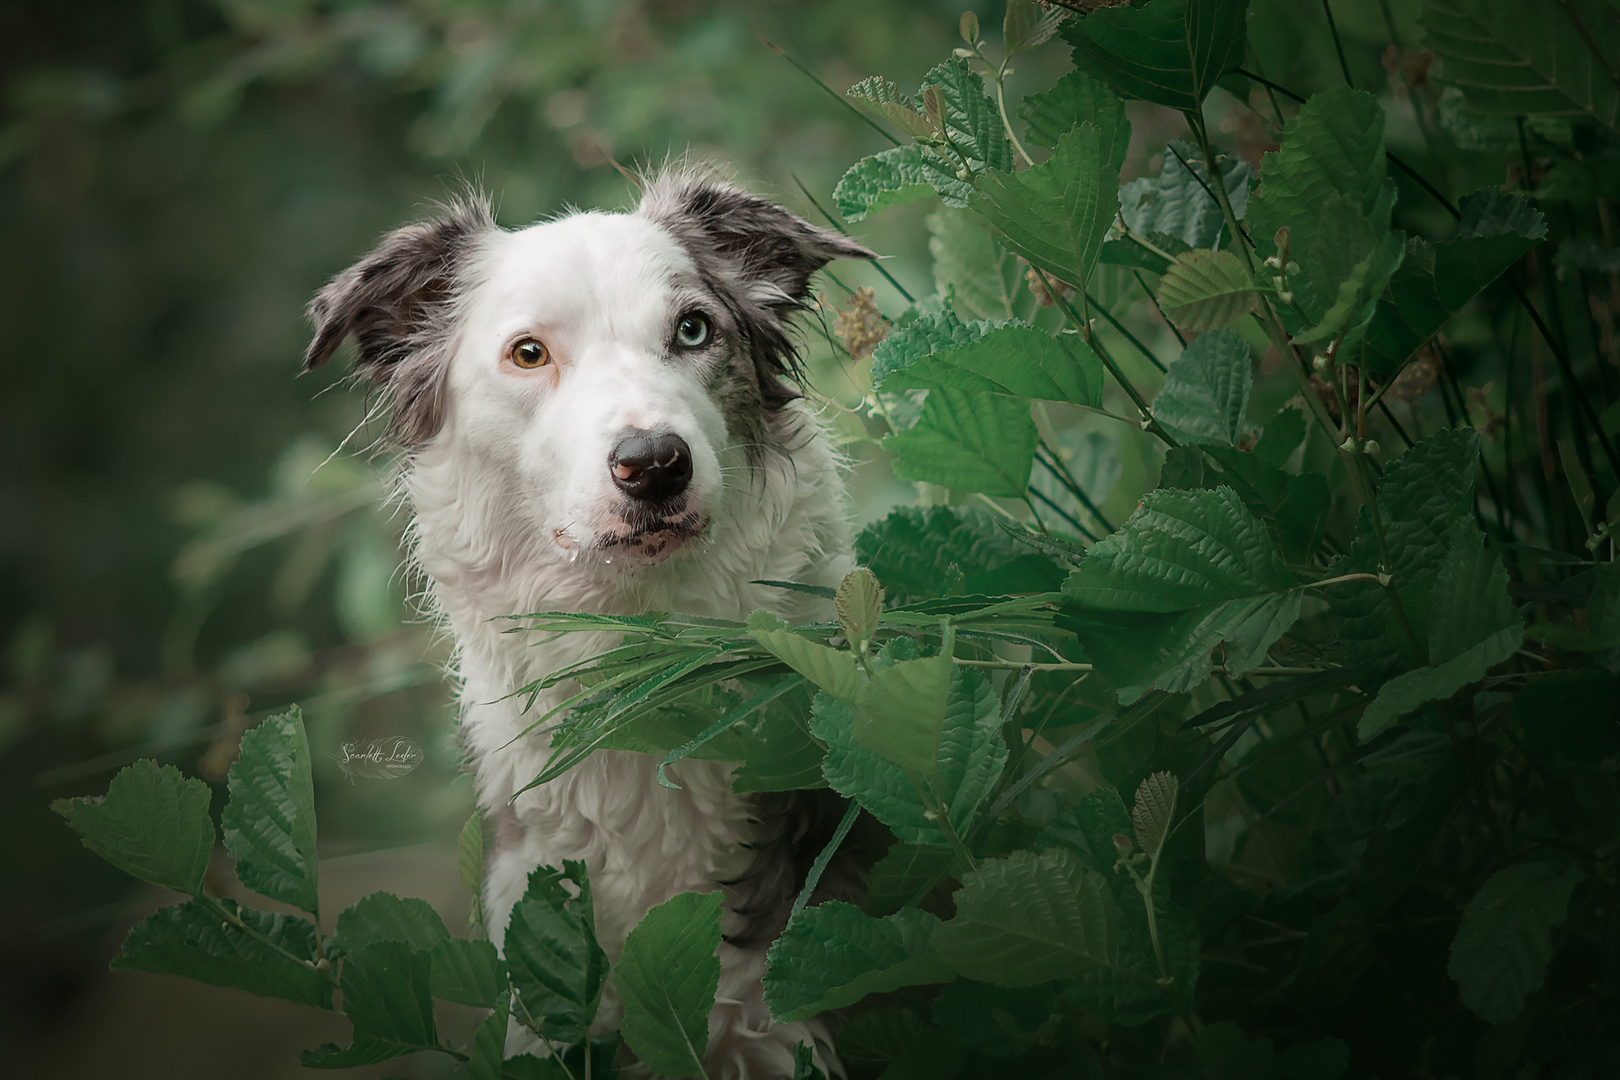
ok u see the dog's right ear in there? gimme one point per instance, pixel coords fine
(393, 302)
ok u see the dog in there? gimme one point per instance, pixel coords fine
(600, 413)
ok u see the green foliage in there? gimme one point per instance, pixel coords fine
(833, 955)
(269, 822)
(557, 968)
(967, 441)
(1169, 52)
(1015, 360)
(1180, 202)
(153, 823)
(667, 978)
(1205, 396)
(1206, 290)
(1500, 954)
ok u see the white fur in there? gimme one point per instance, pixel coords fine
(507, 499)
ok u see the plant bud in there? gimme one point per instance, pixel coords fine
(1122, 844)
(969, 27)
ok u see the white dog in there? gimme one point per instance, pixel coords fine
(597, 414)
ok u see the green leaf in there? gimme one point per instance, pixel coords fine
(382, 916)
(972, 121)
(1169, 52)
(1348, 262)
(191, 940)
(971, 750)
(1472, 626)
(555, 963)
(1327, 187)
(1154, 811)
(470, 863)
(874, 1039)
(933, 551)
(1013, 359)
(900, 710)
(1029, 918)
(1206, 290)
(386, 997)
(1436, 280)
(1025, 26)
(1499, 956)
(967, 442)
(782, 755)
(1075, 99)
(269, 822)
(859, 604)
(878, 784)
(995, 1021)
(1057, 214)
(152, 824)
(906, 869)
(834, 955)
(1514, 59)
(888, 102)
(1206, 391)
(981, 279)
(831, 669)
(467, 972)
(1179, 202)
(667, 977)
(898, 175)
(1188, 571)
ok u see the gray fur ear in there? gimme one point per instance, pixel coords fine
(764, 243)
(393, 303)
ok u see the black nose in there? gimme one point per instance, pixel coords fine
(649, 467)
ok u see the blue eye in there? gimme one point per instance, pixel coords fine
(693, 330)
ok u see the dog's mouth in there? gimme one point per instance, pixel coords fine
(640, 539)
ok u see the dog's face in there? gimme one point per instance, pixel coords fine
(607, 371)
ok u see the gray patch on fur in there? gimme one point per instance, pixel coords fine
(757, 260)
(396, 304)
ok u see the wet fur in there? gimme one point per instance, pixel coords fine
(507, 519)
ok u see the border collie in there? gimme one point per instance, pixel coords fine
(598, 413)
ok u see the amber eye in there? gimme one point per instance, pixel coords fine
(530, 353)
(693, 330)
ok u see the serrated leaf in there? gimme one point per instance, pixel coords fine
(859, 604)
(887, 101)
(971, 119)
(467, 972)
(1155, 811)
(1057, 214)
(1514, 59)
(1179, 202)
(1188, 571)
(1293, 508)
(981, 279)
(1075, 99)
(1434, 281)
(1012, 358)
(932, 551)
(153, 824)
(1029, 918)
(192, 941)
(1169, 52)
(382, 916)
(1472, 626)
(831, 669)
(555, 964)
(971, 750)
(1348, 262)
(893, 177)
(1206, 290)
(1500, 954)
(833, 955)
(967, 442)
(667, 977)
(879, 785)
(269, 822)
(900, 710)
(386, 997)
(488, 1049)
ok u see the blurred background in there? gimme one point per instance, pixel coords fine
(190, 532)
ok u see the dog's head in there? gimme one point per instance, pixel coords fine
(604, 370)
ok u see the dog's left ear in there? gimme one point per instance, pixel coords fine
(763, 243)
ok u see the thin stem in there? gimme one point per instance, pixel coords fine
(1338, 46)
(1014, 665)
(1084, 326)
(1154, 300)
(835, 95)
(1062, 513)
(1340, 579)
(1126, 334)
(235, 920)
(1066, 478)
(1001, 104)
